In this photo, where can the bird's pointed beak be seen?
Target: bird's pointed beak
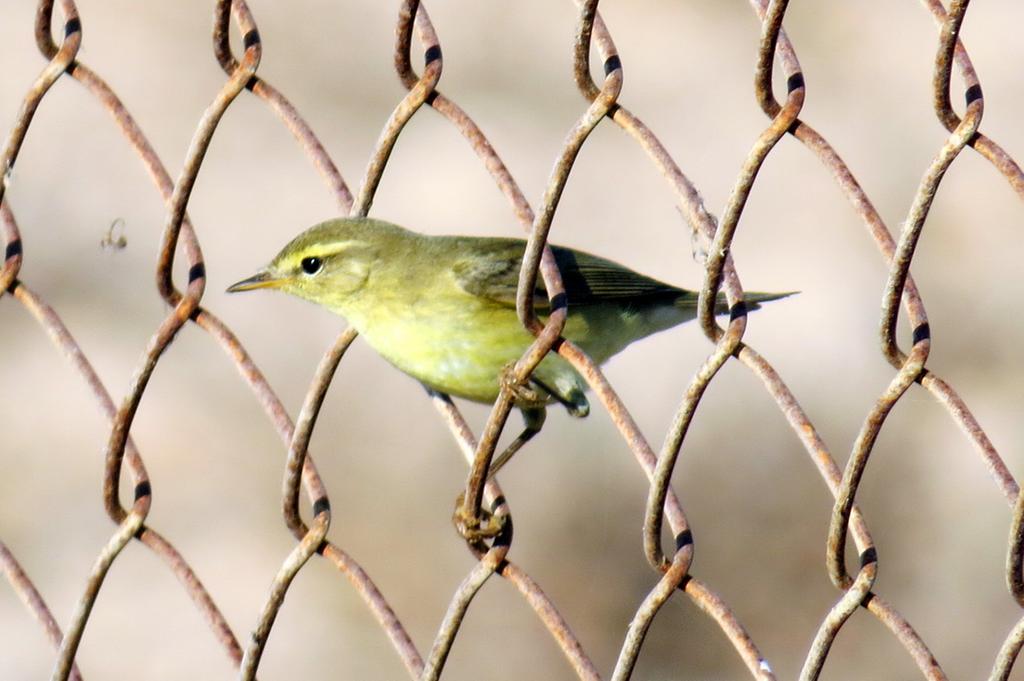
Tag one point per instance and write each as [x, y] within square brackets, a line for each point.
[262, 279]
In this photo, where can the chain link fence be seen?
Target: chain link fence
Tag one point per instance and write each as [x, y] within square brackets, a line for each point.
[668, 544]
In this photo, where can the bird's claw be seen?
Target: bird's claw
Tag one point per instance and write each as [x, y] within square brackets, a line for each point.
[523, 392]
[476, 529]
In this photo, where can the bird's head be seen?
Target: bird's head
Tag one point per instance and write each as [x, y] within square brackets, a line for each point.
[327, 263]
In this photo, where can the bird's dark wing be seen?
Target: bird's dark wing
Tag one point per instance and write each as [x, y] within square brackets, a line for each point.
[492, 273]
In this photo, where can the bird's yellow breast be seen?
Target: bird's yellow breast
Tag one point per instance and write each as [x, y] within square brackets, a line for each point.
[456, 344]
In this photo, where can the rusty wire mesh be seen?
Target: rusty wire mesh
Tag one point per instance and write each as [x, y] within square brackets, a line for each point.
[59, 36]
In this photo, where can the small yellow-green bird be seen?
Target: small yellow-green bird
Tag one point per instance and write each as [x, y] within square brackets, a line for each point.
[443, 308]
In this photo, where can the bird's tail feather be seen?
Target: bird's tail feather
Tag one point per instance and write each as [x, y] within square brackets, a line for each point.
[752, 300]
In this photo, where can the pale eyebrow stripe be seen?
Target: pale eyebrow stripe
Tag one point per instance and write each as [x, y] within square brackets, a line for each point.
[333, 248]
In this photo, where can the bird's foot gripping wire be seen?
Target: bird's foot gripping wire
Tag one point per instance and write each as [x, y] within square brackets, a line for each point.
[525, 393]
[483, 524]
[477, 529]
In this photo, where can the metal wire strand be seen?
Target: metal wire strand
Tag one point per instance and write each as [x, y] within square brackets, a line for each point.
[317, 532]
[676, 572]
[61, 337]
[177, 318]
[33, 600]
[987, 147]
[405, 110]
[237, 354]
[280, 105]
[620, 415]
[911, 368]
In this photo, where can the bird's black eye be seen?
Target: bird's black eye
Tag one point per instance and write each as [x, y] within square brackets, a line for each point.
[311, 265]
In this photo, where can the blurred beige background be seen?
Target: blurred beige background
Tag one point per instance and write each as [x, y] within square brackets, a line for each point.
[758, 508]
